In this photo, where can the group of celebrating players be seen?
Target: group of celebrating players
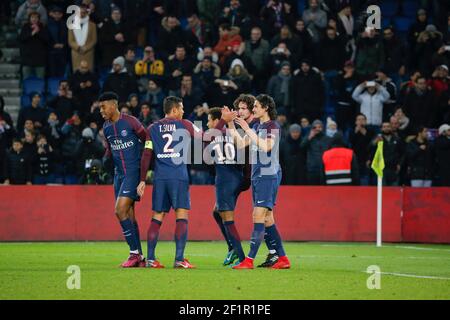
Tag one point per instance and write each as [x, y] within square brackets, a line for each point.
[248, 129]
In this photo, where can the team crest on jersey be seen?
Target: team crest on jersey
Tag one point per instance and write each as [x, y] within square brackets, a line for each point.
[124, 133]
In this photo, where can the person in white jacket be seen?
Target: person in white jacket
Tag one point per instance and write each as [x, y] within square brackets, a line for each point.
[371, 101]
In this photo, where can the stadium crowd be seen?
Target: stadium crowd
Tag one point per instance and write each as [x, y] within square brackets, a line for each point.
[328, 73]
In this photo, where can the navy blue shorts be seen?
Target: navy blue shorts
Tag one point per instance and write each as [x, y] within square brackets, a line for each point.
[126, 185]
[264, 192]
[228, 189]
[170, 193]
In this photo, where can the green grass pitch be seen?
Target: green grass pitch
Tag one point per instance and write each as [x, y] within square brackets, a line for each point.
[319, 271]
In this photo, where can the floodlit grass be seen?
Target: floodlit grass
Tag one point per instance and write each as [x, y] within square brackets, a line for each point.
[319, 271]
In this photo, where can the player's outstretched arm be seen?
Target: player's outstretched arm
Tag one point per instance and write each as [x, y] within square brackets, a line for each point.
[264, 144]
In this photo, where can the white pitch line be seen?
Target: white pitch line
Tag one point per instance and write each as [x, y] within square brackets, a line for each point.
[411, 275]
[421, 248]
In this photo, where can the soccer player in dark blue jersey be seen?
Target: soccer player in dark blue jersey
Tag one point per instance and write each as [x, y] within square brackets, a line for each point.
[171, 138]
[263, 139]
[128, 143]
[229, 182]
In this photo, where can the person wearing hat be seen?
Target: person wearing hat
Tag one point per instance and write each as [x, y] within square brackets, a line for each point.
[87, 150]
[83, 40]
[428, 43]
[239, 76]
[119, 81]
[442, 149]
[57, 31]
[113, 38]
[417, 28]
[292, 157]
[279, 86]
[315, 144]
[439, 81]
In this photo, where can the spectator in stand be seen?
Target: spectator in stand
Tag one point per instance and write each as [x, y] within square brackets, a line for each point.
[291, 40]
[233, 14]
[149, 66]
[419, 159]
[52, 131]
[315, 144]
[29, 6]
[257, 51]
[279, 87]
[403, 123]
[34, 112]
[345, 26]
[63, 103]
[82, 40]
[315, 20]
[393, 154]
[344, 84]
[228, 36]
[71, 138]
[239, 77]
[395, 56]
[57, 28]
[304, 38]
[277, 13]
[130, 60]
[43, 162]
[199, 32]
[443, 155]
[191, 95]
[330, 54]
[85, 87]
[7, 132]
[332, 128]
[119, 81]
[307, 92]
[199, 114]
[155, 97]
[278, 56]
[237, 52]
[29, 145]
[387, 83]
[222, 93]
[133, 104]
[428, 42]
[439, 81]
[114, 37]
[87, 150]
[369, 53]
[292, 157]
[34, 43]
[147, 115]
[178, 65]
[17, 167]
[419, 104]
[170, 37]
[205, 73]
[360, 140]
[371, 96]
[409, 85]
[414, 31]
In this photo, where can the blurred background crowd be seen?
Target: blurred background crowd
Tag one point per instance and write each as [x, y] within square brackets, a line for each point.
[329, 74]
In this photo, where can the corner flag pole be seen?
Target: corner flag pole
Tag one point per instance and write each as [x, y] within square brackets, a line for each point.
[379, 209]
[378, 167]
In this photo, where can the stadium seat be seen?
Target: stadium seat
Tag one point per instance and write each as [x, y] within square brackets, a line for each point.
[402, 24]
[53, 85]
[25, 101]
[410, 8]
[388, 8]
[139, 52]
[33, 84]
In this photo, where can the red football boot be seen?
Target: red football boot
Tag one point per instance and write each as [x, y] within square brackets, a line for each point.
[185, 264]
[132, 261]
[154, 264]
[247, 263]
[142, 263]
[282, 263]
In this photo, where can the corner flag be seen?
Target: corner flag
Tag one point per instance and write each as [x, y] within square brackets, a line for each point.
[378, 160]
